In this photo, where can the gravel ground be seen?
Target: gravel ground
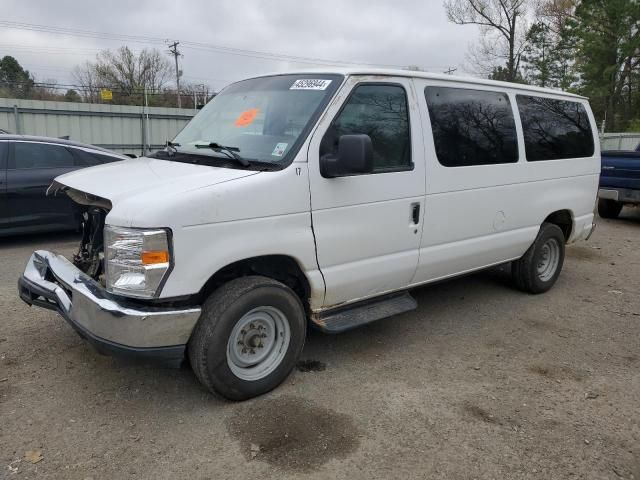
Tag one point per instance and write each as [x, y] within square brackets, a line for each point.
[481, 381]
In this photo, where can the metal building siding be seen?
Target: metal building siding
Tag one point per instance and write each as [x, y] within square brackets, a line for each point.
[116, 127]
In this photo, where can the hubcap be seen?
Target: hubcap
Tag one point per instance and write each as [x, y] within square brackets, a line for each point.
[258, 343]
[548, 260]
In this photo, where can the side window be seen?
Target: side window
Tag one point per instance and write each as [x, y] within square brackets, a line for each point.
[86, 159]
[379, 111]
[554, 129]
[105, 158]
[3, 155]
[40, 155]
[471, 127]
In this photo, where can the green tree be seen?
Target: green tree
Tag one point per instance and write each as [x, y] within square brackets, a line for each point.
[537, 55]
[502, 74]
[548, 56]
[72, 96]
[15, 81]
[607, 38]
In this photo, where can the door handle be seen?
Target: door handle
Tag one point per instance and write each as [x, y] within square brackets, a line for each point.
[415, 213]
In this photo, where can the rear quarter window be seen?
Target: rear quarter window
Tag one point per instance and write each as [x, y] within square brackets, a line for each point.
[88, 159]
[3, 155]
[554, 129]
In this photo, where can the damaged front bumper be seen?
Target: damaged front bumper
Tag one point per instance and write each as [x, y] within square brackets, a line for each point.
[113, 325]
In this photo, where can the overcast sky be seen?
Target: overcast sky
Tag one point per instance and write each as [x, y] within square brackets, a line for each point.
[400, 32]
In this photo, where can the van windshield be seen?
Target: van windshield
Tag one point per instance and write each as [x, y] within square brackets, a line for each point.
[262, 119]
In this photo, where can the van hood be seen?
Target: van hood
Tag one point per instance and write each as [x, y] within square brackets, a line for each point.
[139, 176]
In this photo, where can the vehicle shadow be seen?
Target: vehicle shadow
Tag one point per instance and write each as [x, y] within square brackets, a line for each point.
[437, 303]
[629, 215]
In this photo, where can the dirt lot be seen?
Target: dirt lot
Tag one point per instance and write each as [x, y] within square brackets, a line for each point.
[480, 382]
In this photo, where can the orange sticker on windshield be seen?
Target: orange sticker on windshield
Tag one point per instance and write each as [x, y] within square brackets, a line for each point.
[246, 118]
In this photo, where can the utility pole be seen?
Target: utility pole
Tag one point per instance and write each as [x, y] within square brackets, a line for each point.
[450, 71]
[173, 50]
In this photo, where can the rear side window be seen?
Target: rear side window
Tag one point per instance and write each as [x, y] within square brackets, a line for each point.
[40, 155]
[106, 158]
[471, 127]
[554, 129]
[88, 159]
[3, 155]
[380, 111]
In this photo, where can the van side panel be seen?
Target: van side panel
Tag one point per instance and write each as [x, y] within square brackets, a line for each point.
[496, 224]
[482, 215]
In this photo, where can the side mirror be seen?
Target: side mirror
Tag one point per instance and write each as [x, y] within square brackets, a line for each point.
[355, 155]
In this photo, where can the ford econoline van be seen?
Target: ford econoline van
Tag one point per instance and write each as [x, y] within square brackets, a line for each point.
[317, 200]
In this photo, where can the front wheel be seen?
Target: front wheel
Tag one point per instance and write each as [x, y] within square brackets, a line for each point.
[538, 269]
[249, 337]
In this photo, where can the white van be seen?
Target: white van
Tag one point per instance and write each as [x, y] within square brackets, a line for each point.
[317, 199]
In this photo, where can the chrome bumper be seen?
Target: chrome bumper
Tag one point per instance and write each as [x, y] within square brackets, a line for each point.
[110, 323]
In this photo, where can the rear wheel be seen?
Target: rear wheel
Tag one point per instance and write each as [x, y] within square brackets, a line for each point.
[608, 208]
[539, 268]
[249, 337]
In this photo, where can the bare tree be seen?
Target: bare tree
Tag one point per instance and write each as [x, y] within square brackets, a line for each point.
[556, 13]
[124, 72]
[503, 27]
[85, 77]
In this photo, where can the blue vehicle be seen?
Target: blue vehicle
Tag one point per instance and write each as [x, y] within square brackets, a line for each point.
[619, 181]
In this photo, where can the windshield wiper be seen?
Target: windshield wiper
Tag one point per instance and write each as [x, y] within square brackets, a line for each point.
[230, 152]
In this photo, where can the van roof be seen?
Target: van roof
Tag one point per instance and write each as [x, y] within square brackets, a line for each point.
[426, 75]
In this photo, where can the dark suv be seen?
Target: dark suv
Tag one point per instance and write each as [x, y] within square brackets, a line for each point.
[28, 165]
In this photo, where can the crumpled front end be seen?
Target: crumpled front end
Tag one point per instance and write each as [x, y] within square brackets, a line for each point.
[113, 325]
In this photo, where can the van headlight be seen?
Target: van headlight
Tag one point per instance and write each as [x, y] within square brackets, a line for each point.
[136, 260]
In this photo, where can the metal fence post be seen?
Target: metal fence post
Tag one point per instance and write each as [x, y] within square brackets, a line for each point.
[16, 116]
[143, 135]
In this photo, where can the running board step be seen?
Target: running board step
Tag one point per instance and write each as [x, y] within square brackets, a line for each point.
[351, 316]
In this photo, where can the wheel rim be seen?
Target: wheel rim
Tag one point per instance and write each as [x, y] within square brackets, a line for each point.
[258, 343]
[549, 259]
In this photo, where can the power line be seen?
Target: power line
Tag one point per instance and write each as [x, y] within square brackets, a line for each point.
[197, 46]
[47, 49]
[82, 88]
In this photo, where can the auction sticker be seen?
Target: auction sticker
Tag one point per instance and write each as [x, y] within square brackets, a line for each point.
[310, 84]
[279, 150]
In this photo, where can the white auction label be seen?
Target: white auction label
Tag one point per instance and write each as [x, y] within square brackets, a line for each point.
[310, 84]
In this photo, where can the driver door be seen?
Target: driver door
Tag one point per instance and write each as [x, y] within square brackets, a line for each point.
[368, 226]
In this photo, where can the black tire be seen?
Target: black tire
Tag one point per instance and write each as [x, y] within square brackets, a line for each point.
[525, 271]
[225, 307]
[608, 208]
